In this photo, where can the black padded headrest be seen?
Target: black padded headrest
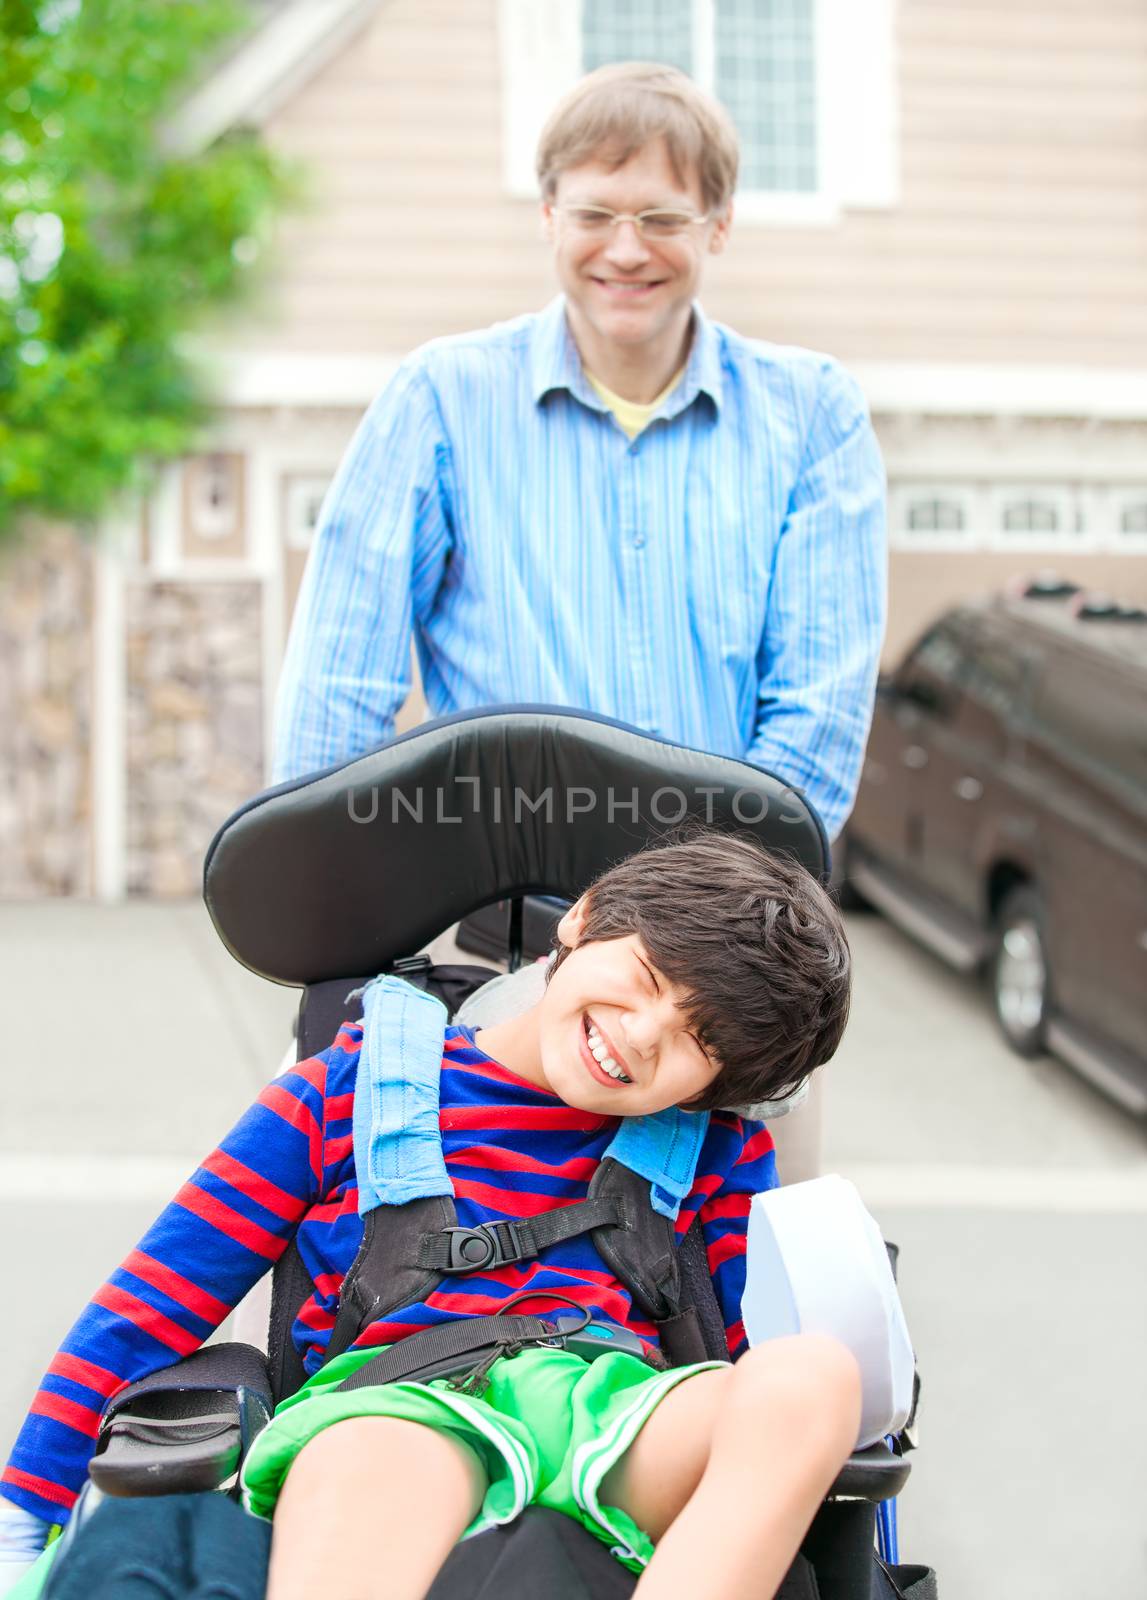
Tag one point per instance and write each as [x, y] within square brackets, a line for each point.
[346, 870]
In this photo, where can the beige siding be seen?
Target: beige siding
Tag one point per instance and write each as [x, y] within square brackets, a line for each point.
[921, 585]
[1021, 235]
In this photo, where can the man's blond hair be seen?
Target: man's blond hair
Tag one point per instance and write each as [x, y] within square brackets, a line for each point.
[617, 110]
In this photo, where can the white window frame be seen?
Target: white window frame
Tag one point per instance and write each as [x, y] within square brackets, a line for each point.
[983, 502]
[857, 102]
[1121, 500]
[902, 496]
[168, 561]
[208, 524]
[300, 487]
[1063, 497]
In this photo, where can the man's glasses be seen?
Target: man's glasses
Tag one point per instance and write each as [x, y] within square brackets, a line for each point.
[656, 224]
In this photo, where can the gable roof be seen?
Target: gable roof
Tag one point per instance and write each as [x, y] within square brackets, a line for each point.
[289, 42]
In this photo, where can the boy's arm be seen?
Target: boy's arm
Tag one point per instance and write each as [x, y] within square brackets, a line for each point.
[227, 1225]
[724, 1213]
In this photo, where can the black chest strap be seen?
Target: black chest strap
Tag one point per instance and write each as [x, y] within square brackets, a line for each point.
[500, 1243]
[407, 1250]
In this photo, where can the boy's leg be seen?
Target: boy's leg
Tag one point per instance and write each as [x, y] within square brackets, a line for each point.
[729, 1470]
[370, 1510]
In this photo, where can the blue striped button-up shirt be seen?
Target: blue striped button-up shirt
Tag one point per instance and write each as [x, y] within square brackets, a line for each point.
[719, 580]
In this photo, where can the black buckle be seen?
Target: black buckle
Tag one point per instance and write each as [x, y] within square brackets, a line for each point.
[405, 966]
[491, 1244]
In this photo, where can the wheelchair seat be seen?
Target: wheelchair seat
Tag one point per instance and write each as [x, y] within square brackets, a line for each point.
[328, 881]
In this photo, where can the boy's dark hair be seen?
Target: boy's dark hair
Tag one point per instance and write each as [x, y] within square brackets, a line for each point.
[754, 943]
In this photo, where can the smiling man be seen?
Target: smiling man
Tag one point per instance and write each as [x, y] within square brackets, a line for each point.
[630, 269]
[613, 504]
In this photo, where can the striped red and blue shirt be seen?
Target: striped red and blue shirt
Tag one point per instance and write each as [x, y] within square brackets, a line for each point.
[287, 1170]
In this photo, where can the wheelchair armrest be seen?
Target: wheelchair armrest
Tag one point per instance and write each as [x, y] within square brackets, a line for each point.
[875, 1473]
[186, 1427]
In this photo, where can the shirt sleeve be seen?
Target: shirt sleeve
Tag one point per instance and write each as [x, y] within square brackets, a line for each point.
[379, 555]
[725, 1220]
[824, 624]
[228, 1224]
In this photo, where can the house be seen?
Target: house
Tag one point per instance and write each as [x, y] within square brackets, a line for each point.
[949, 197]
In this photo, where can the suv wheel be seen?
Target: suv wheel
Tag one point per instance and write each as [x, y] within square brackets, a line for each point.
[1020, 975]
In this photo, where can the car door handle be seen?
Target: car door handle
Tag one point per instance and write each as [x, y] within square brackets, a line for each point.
[968, 788]
[915, 757]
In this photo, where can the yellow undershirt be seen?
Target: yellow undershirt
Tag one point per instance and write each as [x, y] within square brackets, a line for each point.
[631, 416]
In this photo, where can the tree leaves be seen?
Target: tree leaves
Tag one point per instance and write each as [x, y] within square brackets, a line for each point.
[111, 250]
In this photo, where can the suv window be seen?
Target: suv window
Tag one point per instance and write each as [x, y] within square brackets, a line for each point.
[995, 690]
[994, 679]
[1094, 720]
[930, 676]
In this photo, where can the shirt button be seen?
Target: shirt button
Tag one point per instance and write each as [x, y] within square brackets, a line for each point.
[638, 541]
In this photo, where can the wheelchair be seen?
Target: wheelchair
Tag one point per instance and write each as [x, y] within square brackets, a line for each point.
[324, 883]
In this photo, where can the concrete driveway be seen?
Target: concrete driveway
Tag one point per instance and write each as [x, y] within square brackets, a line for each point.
[1019, 1199]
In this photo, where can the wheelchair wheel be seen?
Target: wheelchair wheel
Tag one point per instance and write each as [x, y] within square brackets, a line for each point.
[1020, 974]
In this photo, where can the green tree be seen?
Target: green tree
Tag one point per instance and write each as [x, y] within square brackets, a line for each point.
[111, 247]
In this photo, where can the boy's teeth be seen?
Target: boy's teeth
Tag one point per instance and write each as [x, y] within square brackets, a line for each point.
[603, 1058]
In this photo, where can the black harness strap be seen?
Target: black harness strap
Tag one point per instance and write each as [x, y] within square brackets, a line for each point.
[642, 1246]
[449, 1348]
[407, 1250]
[706, 1324]
[643, 1250]
[497, 1244]
[382, 1277]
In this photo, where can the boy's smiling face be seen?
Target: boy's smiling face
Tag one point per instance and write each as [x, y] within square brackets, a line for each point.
[610, 1034]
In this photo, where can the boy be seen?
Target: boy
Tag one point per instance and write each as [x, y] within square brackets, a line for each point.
[694, 975]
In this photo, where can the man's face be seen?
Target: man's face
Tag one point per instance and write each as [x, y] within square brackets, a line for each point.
[623, 288]
[613, 1037]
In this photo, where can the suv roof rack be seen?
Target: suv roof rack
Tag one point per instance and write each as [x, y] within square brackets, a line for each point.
[1043, 586]
[1100, 608]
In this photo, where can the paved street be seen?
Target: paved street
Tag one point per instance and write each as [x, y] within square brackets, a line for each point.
[1018, 1196]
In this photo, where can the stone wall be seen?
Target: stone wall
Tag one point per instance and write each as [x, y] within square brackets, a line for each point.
[194, 723]
[45, 716]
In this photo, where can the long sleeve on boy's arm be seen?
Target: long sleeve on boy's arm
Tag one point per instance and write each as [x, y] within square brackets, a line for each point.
[725, 1220]
[228, 1224]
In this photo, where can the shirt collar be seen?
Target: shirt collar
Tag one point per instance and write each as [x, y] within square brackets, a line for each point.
[555, 363]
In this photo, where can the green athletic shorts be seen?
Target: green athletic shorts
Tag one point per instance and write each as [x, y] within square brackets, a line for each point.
[547, 1429]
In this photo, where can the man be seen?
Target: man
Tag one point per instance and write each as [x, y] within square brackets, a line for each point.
[614, 504]
[717, 579]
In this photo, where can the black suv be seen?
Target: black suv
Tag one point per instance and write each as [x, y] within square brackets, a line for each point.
[1002, 818]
